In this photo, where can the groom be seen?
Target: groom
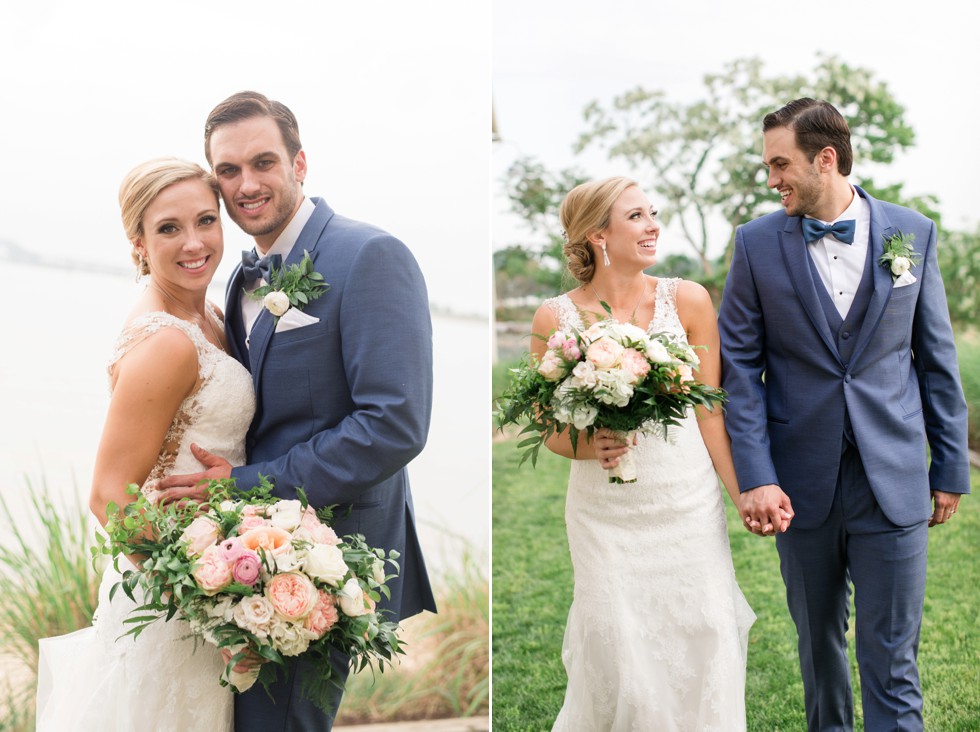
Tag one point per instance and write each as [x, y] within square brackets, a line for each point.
[840, 374]
[343, 385]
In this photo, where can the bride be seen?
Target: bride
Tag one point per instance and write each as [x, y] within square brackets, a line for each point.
[172, 383]
[657, 631]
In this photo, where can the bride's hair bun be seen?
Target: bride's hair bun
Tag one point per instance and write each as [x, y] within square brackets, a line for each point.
[584, 211]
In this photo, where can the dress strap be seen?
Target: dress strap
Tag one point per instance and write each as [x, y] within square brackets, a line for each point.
[146, 325]
[565, 312]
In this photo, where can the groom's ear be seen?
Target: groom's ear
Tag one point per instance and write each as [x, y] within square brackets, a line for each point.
[826, 159]
[299, 166]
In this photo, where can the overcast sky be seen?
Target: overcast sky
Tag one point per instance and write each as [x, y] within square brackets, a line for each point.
[392, 99]
[552, 57]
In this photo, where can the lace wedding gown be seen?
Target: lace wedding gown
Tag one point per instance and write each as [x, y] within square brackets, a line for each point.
[93, 679]
[657, 631]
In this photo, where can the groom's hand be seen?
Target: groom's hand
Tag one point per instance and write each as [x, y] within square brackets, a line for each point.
[766, 510]
[194, 486]
[945, 506]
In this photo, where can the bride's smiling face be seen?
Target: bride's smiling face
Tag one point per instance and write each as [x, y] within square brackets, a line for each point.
[182, 237]
[631, 235]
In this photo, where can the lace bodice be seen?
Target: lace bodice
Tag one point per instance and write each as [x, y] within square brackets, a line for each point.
[216, 416]
[665, 318]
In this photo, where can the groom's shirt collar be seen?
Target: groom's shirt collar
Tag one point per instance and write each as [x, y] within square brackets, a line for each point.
[287, 239]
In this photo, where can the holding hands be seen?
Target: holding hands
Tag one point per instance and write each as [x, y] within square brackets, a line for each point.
[766, 510]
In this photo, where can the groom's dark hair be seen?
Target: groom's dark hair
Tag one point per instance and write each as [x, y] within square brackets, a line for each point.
[246, 105]
[817, 125]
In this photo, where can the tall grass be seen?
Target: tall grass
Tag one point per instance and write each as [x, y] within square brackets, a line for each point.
[446, 671]
[48, 586]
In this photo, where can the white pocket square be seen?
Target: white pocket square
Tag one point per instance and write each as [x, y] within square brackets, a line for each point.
[906, 278]
[294, 319]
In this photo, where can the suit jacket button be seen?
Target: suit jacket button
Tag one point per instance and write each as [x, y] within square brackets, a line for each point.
[846, 334]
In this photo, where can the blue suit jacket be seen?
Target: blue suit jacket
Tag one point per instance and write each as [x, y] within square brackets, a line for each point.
[788, 386]
[344, 404]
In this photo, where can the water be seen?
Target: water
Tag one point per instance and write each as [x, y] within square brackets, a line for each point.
[58, 329]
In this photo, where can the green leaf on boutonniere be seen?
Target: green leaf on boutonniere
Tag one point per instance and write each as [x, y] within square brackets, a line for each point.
[298, 283]
[898, 245]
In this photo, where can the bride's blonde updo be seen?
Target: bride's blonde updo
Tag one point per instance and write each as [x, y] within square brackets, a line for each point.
[143, 184]
[584, 211]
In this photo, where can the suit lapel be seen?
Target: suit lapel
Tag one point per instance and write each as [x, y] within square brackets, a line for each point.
[234, 329]
[881, 229]
[795, 256]
[264, 328]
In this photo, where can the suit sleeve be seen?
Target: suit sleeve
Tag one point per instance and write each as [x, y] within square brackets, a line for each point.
[742, 330]
[386, 336]
[943, 404]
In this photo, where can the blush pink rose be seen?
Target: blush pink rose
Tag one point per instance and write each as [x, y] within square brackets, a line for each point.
[267, 538]
[211, 572]
[252, 521]
[319, 531]
[247, 568]
[604, 353]
[551, 367]
[570, 350]
[292, 594]
[635, 364]
[323, 616]
[200, 534]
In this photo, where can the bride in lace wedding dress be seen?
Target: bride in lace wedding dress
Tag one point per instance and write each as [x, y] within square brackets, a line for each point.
[172, 385]
[657, 631]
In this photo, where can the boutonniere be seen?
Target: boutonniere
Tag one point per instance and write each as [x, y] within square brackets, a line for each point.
[291, 287]
[900, 258]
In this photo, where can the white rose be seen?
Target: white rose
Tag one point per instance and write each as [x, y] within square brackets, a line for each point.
[276, 302]
[552, 368]
[287, 561]
[326, 563]
[901, 265]
[254, 615]
[657, 353]
[378, 571]
[352, 598]
[286, 514]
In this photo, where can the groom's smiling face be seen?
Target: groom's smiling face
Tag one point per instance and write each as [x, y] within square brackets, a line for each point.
[796, 179]
[260, 183]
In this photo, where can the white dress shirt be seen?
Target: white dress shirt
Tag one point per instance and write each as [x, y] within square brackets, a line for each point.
[282, 246]
[841, 266]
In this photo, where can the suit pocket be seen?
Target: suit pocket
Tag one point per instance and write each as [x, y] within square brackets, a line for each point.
[776, 420]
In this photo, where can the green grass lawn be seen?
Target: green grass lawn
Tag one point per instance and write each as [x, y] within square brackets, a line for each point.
[532, 589]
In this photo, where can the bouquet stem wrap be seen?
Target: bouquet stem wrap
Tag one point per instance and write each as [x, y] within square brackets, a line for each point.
[625, 470]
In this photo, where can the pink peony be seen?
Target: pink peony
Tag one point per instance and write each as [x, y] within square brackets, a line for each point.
[604, 353]
[292, 594]
[570, 350]
[319, 532]
[247, 568]
[635, 364]
[211, 572]
[324, 615]
[557, 339]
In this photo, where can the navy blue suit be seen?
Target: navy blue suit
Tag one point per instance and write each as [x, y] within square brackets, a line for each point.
[838, 412]
[342, 406]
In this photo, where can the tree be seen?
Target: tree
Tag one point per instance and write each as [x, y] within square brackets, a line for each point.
[703, 158]
[960, 266]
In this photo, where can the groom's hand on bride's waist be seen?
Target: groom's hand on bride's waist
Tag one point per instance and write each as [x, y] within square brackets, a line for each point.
[194, 486]
[766, 510]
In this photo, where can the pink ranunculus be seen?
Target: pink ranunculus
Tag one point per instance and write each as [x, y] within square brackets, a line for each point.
[251, 521]
[247, 568]
[292, 594]
[604, 353]
[211, 572]
[323, 616]
[557, 339]
[570, 350]
[636, 364]
[319, 531]
[200, 534]
[267, 538]
[232, 549]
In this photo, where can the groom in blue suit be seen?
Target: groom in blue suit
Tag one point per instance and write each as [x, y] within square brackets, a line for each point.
[841, 371]
[343, 386]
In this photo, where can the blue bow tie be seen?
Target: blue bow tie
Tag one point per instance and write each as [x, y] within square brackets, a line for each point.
[255, 267]
[843, 230]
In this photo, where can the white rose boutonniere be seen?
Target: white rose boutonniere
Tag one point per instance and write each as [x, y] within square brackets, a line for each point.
[899, 257]
[291, 287]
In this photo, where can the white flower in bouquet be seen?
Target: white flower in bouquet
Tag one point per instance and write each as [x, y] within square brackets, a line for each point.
[287, 559]
[326, 562]
[584, 375]
[615, 387]
[352, 598]
[222, 610]
[286, 514]
[552, 367]
[658, 353]
[378, 572]
[202, 533]
[254, 614]
[578, 414]
[290, 639]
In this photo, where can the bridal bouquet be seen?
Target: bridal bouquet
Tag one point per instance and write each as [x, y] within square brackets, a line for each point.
[261, 577]
[612, 375]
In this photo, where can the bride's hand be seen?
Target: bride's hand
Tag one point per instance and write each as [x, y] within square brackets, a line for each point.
[608, 449]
